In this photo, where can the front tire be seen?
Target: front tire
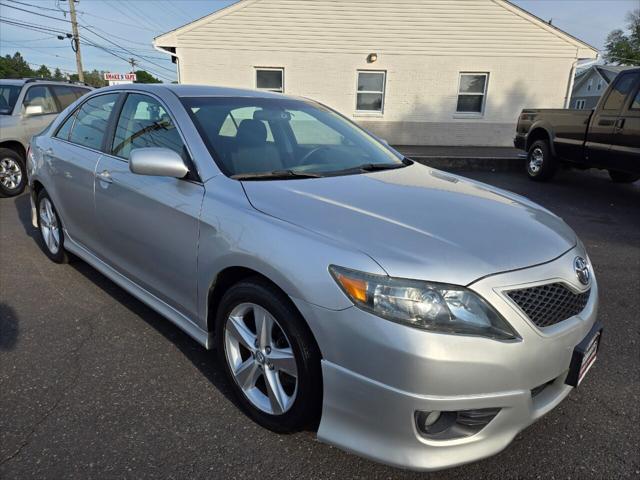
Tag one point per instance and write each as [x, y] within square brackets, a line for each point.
[541, 164]
[13, 174]
[269, 356]
[623, 177]
[50, 228]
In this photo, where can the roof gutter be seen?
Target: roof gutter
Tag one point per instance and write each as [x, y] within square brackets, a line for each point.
[174, 57]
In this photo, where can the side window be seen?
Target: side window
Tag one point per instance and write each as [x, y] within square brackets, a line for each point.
[65, 128]
[270, 79]
[472, 93]
[308, 131]
[91, 121]
[145, 123]
[38, 101]
[621, 88]
[65, 95]
[370, 93]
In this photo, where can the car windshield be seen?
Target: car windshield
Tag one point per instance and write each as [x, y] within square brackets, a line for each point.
[8, 96]
[264, 138]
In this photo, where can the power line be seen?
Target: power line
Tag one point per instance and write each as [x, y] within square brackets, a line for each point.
[41, 28]
[35, 13]
[40, 7]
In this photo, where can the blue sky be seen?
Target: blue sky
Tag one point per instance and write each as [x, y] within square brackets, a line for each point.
[131, 24]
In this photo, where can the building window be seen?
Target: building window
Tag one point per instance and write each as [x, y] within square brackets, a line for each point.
[370, 95]
[472, 92]
[579, 104]
[599, 86]
[590, 85]
[271, 79]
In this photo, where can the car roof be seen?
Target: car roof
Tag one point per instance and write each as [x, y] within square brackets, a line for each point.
[23, 81]
[182, 90]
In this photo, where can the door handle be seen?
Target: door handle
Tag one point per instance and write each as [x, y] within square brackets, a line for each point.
[620, 123]
[105, 176]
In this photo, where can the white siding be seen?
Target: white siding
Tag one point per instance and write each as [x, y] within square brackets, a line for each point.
[423, 45]
[434, 27]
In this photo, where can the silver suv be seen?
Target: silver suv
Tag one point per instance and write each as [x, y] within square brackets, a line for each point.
[27, 106]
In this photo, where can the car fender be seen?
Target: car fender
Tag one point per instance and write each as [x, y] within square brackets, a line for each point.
[234, 234]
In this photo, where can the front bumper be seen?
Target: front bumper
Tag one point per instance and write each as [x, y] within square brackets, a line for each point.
[377, 374]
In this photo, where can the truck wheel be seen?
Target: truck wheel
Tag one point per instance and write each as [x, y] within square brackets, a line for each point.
[623, 177]
[13, 174]
[541, 165]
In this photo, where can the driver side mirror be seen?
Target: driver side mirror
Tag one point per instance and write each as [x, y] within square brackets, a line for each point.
[33, 110]
[159, 162]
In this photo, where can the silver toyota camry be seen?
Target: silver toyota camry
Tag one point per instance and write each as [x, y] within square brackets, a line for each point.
[409, 315]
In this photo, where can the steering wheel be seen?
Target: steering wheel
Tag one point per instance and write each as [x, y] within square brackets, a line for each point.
[305, 160]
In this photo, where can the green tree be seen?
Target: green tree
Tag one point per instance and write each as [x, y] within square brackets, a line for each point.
[14, 67]
[145, 77]
[57, 74]
[43, 72]
[623, 48]
[94, 78]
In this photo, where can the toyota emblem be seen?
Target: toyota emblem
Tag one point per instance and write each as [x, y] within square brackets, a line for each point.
[581, 268]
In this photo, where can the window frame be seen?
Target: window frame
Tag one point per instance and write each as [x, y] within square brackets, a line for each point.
[484, 94]
[383, 92]
[269, 69]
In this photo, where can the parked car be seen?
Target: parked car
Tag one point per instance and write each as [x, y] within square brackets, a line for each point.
[607, 137]
[27, 106]
[415, 317]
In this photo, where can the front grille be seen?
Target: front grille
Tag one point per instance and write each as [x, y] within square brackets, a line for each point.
[549, 304]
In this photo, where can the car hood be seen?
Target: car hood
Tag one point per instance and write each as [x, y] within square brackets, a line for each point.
[417, 222]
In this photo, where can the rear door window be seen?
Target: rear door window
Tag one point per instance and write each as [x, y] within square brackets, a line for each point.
[65, 129]
[65, 95]
[92, 120]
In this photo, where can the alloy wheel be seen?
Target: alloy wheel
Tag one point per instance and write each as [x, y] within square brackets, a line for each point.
[10, 173]
[49, 226]
[261, 359]
[536, 160]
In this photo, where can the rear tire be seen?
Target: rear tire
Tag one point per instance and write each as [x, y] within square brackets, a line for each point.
[13, 173]
[541, 164]
[50, 228]
[623, 177]
[282, 390]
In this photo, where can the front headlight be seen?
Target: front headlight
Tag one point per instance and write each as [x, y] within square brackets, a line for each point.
[429, 306]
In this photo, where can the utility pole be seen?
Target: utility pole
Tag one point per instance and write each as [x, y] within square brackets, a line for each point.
[76, 39]
[133, 62]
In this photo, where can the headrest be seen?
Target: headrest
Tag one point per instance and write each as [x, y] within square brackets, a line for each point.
[251, 133]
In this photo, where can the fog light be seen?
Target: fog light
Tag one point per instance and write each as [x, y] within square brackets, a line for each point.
[438, 425]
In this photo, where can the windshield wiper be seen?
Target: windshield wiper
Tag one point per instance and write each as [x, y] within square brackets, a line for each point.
[374, 167]
[275, 175]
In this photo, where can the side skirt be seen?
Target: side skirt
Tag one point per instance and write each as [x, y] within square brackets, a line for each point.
[201, 336]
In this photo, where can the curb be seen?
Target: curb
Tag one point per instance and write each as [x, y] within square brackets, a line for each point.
[496, 164]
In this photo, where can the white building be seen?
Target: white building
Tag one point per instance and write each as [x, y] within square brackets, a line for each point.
[415, 72]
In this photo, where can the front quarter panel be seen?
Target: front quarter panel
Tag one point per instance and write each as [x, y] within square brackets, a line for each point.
[234, 234]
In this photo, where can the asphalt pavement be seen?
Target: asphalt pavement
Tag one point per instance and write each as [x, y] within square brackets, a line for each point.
[93, 384]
